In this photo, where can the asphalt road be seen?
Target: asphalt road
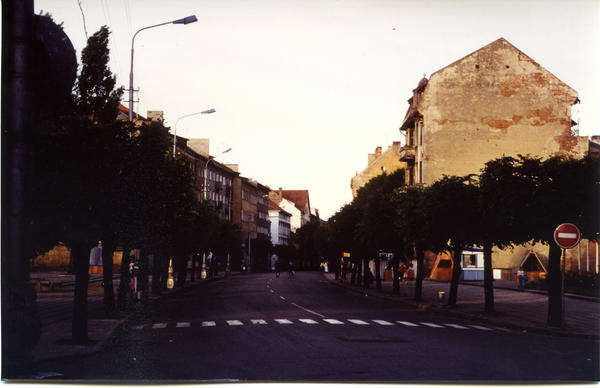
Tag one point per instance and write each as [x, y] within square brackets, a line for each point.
[259, 327]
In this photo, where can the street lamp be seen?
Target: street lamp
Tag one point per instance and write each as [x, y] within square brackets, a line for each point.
[205, 188]
[204, 112]
[186, 20]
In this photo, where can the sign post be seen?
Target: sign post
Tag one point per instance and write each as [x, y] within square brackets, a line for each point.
[567, 236]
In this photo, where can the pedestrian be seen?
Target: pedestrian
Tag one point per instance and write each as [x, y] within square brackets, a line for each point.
[322, 267]
[410, 273]
[520, 274]
[291, 268]
[402, 271]
[133, 273]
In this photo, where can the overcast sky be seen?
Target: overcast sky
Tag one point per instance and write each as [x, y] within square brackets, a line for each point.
[304, 90]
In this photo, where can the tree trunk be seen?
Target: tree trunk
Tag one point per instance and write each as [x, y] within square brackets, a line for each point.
[81, 265]
[377, 274]
[157, 269]
[125, 281]
[359, 277]
[108, 250]
[420, 274]
[396, 273]
[488, 278]
[143, 273]
[366, 274]
[354, 265]
[456, 269]
[555, 300]
[193, 270]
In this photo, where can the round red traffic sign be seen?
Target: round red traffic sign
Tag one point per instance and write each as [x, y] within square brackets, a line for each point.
[567, 236]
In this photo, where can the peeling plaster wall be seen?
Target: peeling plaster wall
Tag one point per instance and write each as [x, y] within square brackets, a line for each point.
[494, 102]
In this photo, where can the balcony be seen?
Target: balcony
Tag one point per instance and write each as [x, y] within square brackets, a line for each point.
[407, 154]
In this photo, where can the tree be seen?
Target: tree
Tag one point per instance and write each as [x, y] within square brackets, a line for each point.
[452, 220]
[377, 230]
[96, 94]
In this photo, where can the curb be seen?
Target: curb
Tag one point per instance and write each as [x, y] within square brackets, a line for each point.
[424, 306]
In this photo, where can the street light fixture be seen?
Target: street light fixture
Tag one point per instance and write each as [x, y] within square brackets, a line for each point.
[205, 188]
[204, 112]
[186, 20]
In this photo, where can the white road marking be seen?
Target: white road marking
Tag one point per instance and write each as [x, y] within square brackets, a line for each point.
[385, 323]
[431, 324]
[258, 321]
[309, 321]
[284, 321]
[334, 321]
[183, 324]
[480, 327]
[456, 326]
[407, 323]
[139, 327]
[235, 323]
[358, 321]
[159, 326]
[209, 323]
[312, 312]
[282, 297]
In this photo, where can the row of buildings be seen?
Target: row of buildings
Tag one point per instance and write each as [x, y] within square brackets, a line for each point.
[263, 213]
[492, 103]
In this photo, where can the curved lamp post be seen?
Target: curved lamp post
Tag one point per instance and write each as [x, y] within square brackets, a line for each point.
[186, 20]
[204, 112]
[205, 189]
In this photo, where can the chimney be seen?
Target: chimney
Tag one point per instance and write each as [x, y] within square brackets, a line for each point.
[377, 152]
[201, 146]
[280, 192]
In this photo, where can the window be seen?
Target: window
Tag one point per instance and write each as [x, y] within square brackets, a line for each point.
[470, 261]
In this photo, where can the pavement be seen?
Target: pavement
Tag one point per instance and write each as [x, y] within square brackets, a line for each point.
[514, 309]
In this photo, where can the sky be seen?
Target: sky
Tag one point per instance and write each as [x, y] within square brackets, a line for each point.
[305, 90]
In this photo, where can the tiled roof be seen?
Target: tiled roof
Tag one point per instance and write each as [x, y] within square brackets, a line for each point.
[299, 197]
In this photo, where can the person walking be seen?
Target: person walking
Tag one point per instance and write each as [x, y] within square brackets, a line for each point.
[402, 271]
[291, 269]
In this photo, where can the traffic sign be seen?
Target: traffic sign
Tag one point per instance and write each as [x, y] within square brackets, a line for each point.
[567, 236]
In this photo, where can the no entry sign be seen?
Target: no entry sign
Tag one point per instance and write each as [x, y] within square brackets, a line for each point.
[567, 236]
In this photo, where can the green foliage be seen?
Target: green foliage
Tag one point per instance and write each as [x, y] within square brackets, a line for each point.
[96, 94]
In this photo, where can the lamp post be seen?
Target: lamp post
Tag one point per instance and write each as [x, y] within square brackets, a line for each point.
[186, 20]
[205, 188]
[204, 112]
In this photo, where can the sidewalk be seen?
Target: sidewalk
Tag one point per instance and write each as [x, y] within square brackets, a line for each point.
[514, 309]
[56, 312]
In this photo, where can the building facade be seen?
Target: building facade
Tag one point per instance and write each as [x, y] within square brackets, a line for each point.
[494, 102]
[378, 162]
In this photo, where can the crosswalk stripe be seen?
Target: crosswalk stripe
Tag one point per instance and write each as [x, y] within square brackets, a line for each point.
[309, 321]
[209, 323]
[183, 324]
[407, 323]
[385, 323]
[456, 326]
[159, 325]
[358, 321]
[234, 323]
[431, 324]
[334, 321]
[258, 321]
[480, 327]
[284, 321]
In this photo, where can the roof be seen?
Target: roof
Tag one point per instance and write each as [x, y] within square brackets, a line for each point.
[299, 197]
